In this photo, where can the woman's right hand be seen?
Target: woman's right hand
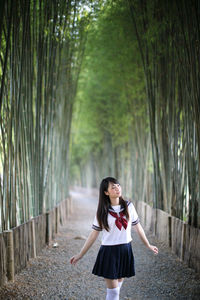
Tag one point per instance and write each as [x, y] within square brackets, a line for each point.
[74, 259]
[88, 243]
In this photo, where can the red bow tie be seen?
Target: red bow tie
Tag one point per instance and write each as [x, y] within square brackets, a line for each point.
[120, 221]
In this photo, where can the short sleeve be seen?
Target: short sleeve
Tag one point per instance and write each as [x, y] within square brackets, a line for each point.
[133, 214]
[95, 225]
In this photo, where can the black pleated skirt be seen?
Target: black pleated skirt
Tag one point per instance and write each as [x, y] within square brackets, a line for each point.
[115, 262]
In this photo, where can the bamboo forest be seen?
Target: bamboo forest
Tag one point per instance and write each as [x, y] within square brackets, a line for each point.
[95, 91]
[96, 88]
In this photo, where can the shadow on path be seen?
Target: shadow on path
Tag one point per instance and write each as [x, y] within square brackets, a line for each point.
[50, 275]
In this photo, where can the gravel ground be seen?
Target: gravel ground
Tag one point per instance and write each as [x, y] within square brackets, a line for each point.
[50, 275]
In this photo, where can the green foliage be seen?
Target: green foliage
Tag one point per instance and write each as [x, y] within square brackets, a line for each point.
[41, 56]
[111, 90]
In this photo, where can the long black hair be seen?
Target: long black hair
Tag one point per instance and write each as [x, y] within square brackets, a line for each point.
[104, 203]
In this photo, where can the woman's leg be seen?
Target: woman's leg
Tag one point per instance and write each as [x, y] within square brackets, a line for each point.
[111, 283]
[112, 289]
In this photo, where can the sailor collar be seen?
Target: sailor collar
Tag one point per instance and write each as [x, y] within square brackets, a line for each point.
[112, 210]
[121, 207]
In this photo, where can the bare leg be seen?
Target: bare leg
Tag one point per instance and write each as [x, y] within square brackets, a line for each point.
[111, 283]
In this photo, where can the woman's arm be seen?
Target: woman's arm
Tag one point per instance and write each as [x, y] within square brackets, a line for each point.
[140, 231]
[89, 242]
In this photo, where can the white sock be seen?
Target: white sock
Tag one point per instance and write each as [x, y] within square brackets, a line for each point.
[112, 294]
[120, 284]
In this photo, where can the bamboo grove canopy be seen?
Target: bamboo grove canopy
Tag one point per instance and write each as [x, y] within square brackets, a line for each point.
[98, 88]
[42, 44]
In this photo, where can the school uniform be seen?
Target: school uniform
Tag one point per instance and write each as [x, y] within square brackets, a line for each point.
[115, 258]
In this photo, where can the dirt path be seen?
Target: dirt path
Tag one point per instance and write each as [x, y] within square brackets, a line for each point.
[50, 275]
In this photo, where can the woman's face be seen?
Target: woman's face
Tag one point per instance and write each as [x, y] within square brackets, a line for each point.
[114, 190]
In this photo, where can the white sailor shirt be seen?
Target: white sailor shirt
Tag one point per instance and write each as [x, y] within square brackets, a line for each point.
[115, 236]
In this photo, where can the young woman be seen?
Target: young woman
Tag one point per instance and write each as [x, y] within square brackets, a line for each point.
[114, 218]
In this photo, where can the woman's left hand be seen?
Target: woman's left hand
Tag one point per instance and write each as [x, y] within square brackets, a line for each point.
[154, 249]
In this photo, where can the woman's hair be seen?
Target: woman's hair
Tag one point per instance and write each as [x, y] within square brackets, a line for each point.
[104, 203]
